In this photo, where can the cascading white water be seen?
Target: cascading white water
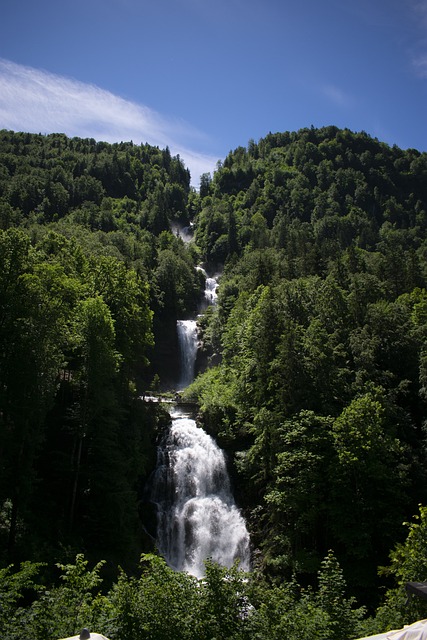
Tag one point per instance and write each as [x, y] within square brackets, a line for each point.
[188, 344]
[210, 294]
[197, 516]
[185, 233]
[210, 290]
[187, 333]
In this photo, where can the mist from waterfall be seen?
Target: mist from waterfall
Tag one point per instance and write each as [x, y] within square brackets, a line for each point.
[186, 233]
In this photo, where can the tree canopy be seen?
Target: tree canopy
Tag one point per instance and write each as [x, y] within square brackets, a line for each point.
[315, 383]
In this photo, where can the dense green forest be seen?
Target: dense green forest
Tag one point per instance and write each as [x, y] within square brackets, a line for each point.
[315, 385]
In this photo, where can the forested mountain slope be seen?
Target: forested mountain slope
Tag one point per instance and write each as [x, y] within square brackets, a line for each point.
[317, 377]
[321, 329]
[90, 274]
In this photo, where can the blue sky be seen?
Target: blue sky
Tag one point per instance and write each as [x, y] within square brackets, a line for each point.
[205, 77]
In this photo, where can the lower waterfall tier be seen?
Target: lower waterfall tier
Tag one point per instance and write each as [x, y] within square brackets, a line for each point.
[197, 516]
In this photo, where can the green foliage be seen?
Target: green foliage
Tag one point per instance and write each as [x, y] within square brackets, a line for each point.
[298, 613]
[76, 333]
[408, 563]
[215, 393]
[223, 604]
[34, 305]
[331, 599]
[73, 334]
[161, 603]
[367, 449]
[298, 491]
[66, 609]
[14, 585]
[318, 391]
[320, 328]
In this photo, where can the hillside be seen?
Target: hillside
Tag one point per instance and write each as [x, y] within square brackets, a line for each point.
[91, 274]
[321, 329]
[316, 350]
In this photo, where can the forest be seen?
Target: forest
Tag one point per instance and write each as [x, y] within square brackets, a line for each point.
[313, 380]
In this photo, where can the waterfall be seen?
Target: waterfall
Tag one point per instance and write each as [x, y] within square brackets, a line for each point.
[188, 344]
[197, 516]
[210, 290]
[210, 294]
[187, 333]
[185, 233]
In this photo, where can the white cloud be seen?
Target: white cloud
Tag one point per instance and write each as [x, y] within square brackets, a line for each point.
[419, 47]
[38, 101]
[336, 95]
[420, 8]
[420, 65]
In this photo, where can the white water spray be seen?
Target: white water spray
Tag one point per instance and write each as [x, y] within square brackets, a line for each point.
[211, 290]
[210, 295]
[197, 516]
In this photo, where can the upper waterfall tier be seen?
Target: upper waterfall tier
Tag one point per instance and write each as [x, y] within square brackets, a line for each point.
[188, 344]
[211, 286]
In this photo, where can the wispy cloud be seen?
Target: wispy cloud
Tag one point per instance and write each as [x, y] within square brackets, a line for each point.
[420, 8]
[336, 95]
[419, 48]
[419, 63]
[38, 101]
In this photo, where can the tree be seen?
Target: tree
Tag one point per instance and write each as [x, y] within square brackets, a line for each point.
[205, 183]
[14, 585]
[343, 618]
[368, 482]
[160, 604]
[71, 606]
[223, 604]
[94, 414]
[408, 563]
[35, 303]
[298, 494]
[126, 296]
